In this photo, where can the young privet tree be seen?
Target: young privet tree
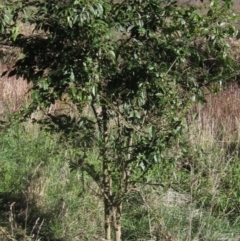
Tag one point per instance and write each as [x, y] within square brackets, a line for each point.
[137, 64]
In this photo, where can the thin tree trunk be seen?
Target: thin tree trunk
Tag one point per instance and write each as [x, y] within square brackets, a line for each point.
[107, 202]
[107, 218]
[107, 181]
[117, 221]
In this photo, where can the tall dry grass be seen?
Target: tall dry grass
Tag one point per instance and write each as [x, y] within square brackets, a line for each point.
[218, 120]
[13, 92]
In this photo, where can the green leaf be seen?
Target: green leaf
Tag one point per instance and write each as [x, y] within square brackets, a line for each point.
[15, 32]
[100, 8]
[94, 90]
[74, 91]
[69, 22]
[112, 55]
[35, 95]
[150, 131]
[72, 76]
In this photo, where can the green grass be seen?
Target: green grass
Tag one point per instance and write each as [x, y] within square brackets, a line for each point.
[47, 199]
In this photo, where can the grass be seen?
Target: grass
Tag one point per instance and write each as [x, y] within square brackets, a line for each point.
[37, 188]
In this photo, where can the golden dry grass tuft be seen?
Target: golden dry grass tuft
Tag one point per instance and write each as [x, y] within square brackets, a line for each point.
[218, 120]
[13, 92]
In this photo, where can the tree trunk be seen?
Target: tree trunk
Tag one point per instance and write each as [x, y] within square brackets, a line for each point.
[107, 191]
[107, 220]
[107, 181]
[116, 212]
[112, 219]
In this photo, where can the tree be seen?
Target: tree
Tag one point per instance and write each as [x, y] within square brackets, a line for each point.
[136, 64]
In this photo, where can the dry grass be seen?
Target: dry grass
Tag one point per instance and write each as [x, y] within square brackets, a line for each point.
[218, 119]
[13, 92]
